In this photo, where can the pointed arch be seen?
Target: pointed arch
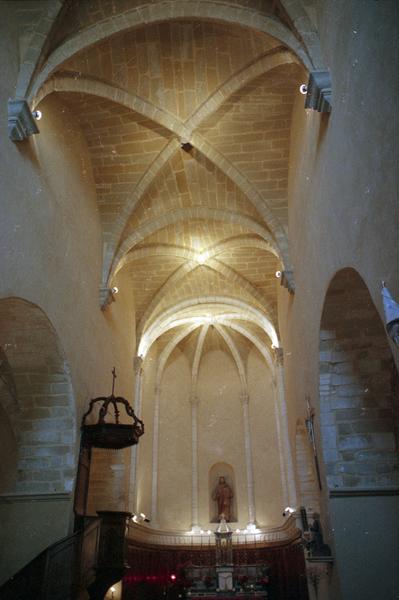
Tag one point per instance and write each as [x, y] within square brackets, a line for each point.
[183, 214]
[159, 11]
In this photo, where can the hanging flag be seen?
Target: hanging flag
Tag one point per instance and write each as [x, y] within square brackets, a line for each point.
[391, 310]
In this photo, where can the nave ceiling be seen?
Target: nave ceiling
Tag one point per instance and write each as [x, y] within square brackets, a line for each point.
[187, 123]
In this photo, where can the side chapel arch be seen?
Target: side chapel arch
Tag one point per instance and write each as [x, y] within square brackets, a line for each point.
[358, 390]
[37, 409]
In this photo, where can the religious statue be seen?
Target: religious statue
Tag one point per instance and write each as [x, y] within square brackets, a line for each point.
[223, 496]
[315, 543]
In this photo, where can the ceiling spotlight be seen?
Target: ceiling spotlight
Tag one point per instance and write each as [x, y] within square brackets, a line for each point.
[37, 114]
[115, 290]
[303, 89]
[278, 274]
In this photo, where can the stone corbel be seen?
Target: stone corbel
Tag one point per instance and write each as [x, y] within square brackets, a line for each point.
[278, 356]
[318, 574]
[21, 122]
[318, 96]
[138, 365]
[194, 400]
[106, 297]
[287, 281]
[244, 399]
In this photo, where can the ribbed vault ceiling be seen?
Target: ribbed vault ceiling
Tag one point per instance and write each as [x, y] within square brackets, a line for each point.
[201, 229]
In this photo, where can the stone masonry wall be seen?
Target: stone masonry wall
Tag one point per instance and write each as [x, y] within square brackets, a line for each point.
[358, 401]
[42, 415]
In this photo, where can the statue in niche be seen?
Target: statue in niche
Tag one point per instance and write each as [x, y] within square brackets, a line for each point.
[223, 495]
[315, 543]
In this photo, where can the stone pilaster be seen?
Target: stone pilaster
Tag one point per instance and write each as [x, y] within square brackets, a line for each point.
[283, 419]
[194, 461]
[155, 453]
[248, 459]
[138, 370]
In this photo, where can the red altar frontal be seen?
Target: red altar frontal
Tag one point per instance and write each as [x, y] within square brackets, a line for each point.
[227, 581]
[242, 596]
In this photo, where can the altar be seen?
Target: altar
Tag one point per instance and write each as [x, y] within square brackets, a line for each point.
[227, 581]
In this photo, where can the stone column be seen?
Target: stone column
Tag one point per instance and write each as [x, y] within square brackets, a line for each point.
[281, 450]
[138, 370]
[155, 445]
[284, 431]
[248, 459]
[194, 462]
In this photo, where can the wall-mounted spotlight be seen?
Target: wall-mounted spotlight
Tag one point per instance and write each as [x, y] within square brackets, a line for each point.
[303, 88]
[140, 518]
[115, 290]
[278, 274]
[288, 511]
[37, 114]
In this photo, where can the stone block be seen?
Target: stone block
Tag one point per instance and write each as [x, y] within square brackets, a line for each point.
[327, 418]
[25, 487]
[59, 411]
[60, 388]
[67, 437]
[329, 435]
[46, 475]
[58, 400]
[347, 455]
[35, 413]
[354, 442]
[344, 428]
[372, 426]
[330, 455]
[351, 390]
[351, 480]
[344, 379]
[30, 464]
[334, 481]
[338, 403]
[41, 437]
[383, 440]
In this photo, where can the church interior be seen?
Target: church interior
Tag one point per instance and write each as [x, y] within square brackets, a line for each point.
[199, 212]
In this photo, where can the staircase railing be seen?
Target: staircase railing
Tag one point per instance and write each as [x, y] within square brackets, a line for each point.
[61, 571]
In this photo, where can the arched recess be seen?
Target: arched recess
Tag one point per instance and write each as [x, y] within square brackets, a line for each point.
[358, 390]
[221, 469]
[307, 486]
[37, 402]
